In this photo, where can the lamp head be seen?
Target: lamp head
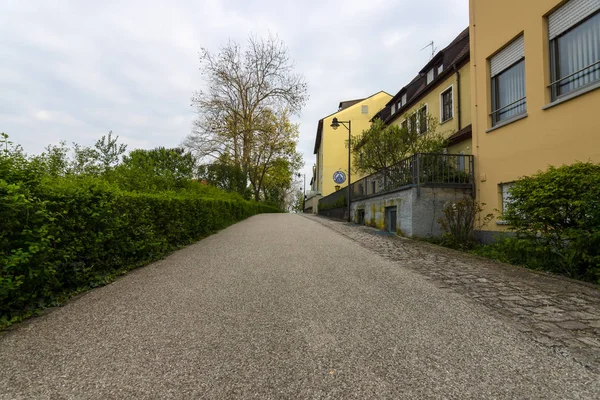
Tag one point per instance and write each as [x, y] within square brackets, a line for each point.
[335, 124]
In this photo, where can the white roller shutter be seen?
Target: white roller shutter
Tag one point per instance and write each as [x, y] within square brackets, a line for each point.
[570, 14]
[508, 56]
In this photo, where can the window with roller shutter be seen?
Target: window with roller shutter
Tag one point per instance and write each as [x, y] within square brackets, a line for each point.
[574, 34]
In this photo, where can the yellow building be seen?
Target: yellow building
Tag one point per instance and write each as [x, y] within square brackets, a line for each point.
[330, 145]
[536, 74]
[441, 92]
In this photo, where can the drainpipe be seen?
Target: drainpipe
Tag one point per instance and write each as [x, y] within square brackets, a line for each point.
[457, 97]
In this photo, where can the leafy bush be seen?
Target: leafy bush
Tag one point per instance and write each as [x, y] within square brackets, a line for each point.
[557, 212]
[516, 251]
[459, 221]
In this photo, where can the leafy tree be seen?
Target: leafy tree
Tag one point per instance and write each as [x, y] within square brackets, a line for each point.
[274, 156]
[155, 169]
[108, 151]
[382, 146]
[226, 175]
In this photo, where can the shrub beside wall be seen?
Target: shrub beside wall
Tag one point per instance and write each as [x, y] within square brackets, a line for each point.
[556, 217]
[62, 236]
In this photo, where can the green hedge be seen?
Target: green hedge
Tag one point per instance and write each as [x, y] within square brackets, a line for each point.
[65, 235]
[556, 217]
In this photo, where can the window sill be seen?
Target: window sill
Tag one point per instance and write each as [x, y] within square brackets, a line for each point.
[502, 223]
[507, 122]
[448, 120]
[572, 95]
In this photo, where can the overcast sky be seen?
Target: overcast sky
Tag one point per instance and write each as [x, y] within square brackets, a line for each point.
[73, 70]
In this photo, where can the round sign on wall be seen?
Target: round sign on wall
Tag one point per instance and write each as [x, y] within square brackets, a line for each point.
[339, 177]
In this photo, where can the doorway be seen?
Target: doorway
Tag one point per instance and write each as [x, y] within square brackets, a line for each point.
[361, 217]
[391, 217]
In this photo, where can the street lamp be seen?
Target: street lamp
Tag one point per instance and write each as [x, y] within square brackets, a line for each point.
[335, 124]
[303, 191]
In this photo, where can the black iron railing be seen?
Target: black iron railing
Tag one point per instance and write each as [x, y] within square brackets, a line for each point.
[423, 169]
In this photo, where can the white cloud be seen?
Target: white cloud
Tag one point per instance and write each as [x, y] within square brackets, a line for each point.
[74, 70]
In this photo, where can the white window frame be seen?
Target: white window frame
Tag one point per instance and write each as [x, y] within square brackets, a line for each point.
[504, 60]
[442, 120]
[431, 73]
[393, 108]
[504, 200]
[403, 121]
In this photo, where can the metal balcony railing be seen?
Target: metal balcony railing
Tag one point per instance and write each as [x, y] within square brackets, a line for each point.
[422, 169]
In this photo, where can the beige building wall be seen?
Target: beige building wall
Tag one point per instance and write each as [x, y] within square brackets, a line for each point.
[333, 151]
[433, 102]
[549, 133]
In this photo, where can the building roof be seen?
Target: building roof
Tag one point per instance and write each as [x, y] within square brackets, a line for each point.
[348, 103]
[342, 106]
[451, 56]
[463, 134]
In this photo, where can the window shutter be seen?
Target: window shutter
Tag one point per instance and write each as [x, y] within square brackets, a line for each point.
[508, 56]
[570, 14]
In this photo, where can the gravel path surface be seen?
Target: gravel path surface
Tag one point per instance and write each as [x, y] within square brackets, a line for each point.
[280, 306]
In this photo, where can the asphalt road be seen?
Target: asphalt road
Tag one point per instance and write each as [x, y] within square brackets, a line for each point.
[279, 306]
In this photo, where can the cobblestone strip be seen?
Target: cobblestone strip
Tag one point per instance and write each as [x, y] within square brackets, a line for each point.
[557, 312]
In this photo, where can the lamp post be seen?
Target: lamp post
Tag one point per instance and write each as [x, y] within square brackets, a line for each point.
[303, 191]
[335, 124]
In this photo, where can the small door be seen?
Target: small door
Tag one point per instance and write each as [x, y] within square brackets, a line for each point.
[361, 217]
[391, 218]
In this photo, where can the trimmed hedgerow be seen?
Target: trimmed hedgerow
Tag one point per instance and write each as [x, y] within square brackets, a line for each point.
[61, 236]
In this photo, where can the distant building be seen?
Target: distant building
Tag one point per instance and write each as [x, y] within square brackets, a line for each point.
[536, 73]
[330, 145]
[442, 91]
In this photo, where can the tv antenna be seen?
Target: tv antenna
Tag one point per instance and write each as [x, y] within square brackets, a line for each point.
[433, 49]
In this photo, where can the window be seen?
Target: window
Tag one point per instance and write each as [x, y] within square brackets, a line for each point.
[574, 33]
[393, 109]
[373, 187]
[412, 122]
[506, 198]
[404, 98]
[422, 115]
[440, 69]
[507, 70]
[447, 104]
[364, 109]
[429, 76]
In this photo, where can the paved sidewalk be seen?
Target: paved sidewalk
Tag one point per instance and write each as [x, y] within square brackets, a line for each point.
[281, 307]
[557, 312]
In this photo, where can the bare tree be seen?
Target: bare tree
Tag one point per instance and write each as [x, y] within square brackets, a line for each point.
[242, 86]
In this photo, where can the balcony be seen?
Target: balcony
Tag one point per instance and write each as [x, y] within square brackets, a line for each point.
[419, 170]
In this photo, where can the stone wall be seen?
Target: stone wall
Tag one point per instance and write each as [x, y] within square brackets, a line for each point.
[312, 204]
[340, 213]
[417, 215]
